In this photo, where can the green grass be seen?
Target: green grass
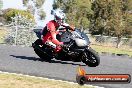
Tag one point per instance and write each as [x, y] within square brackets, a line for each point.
[17, 81]
[111, 50]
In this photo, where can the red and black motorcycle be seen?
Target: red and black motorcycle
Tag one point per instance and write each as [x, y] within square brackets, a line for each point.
[78, 48]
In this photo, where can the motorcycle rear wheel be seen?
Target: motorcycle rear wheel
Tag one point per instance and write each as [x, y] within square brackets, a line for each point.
[91, 58]
[43, 56]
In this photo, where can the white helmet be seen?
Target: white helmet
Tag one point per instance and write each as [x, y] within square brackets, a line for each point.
[59, 16]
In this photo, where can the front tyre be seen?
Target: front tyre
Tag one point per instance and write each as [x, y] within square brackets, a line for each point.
[91, 58]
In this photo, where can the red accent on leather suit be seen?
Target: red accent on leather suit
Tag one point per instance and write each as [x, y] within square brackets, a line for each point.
[51, 34]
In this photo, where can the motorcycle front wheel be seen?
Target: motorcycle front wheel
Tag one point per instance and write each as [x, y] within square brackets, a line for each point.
[91, 58]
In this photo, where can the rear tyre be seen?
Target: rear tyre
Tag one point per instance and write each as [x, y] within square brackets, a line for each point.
[40, 52]
[91, 58]
[43, 57]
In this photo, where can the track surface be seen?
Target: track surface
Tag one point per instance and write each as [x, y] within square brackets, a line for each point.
[18, 59]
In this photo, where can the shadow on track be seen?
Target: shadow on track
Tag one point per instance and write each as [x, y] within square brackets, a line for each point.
[52, 61]
[25, 57]
[65, 62]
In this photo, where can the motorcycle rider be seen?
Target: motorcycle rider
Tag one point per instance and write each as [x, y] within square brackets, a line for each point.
[50, 31]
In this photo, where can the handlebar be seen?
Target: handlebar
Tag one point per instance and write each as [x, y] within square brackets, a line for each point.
[67, 28]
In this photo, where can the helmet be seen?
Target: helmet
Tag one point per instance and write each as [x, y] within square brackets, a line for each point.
[59, 16]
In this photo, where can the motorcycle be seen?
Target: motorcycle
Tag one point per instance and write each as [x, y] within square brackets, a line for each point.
[78, 48]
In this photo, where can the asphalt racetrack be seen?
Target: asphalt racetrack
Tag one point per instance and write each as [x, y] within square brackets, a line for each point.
[18, 59]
